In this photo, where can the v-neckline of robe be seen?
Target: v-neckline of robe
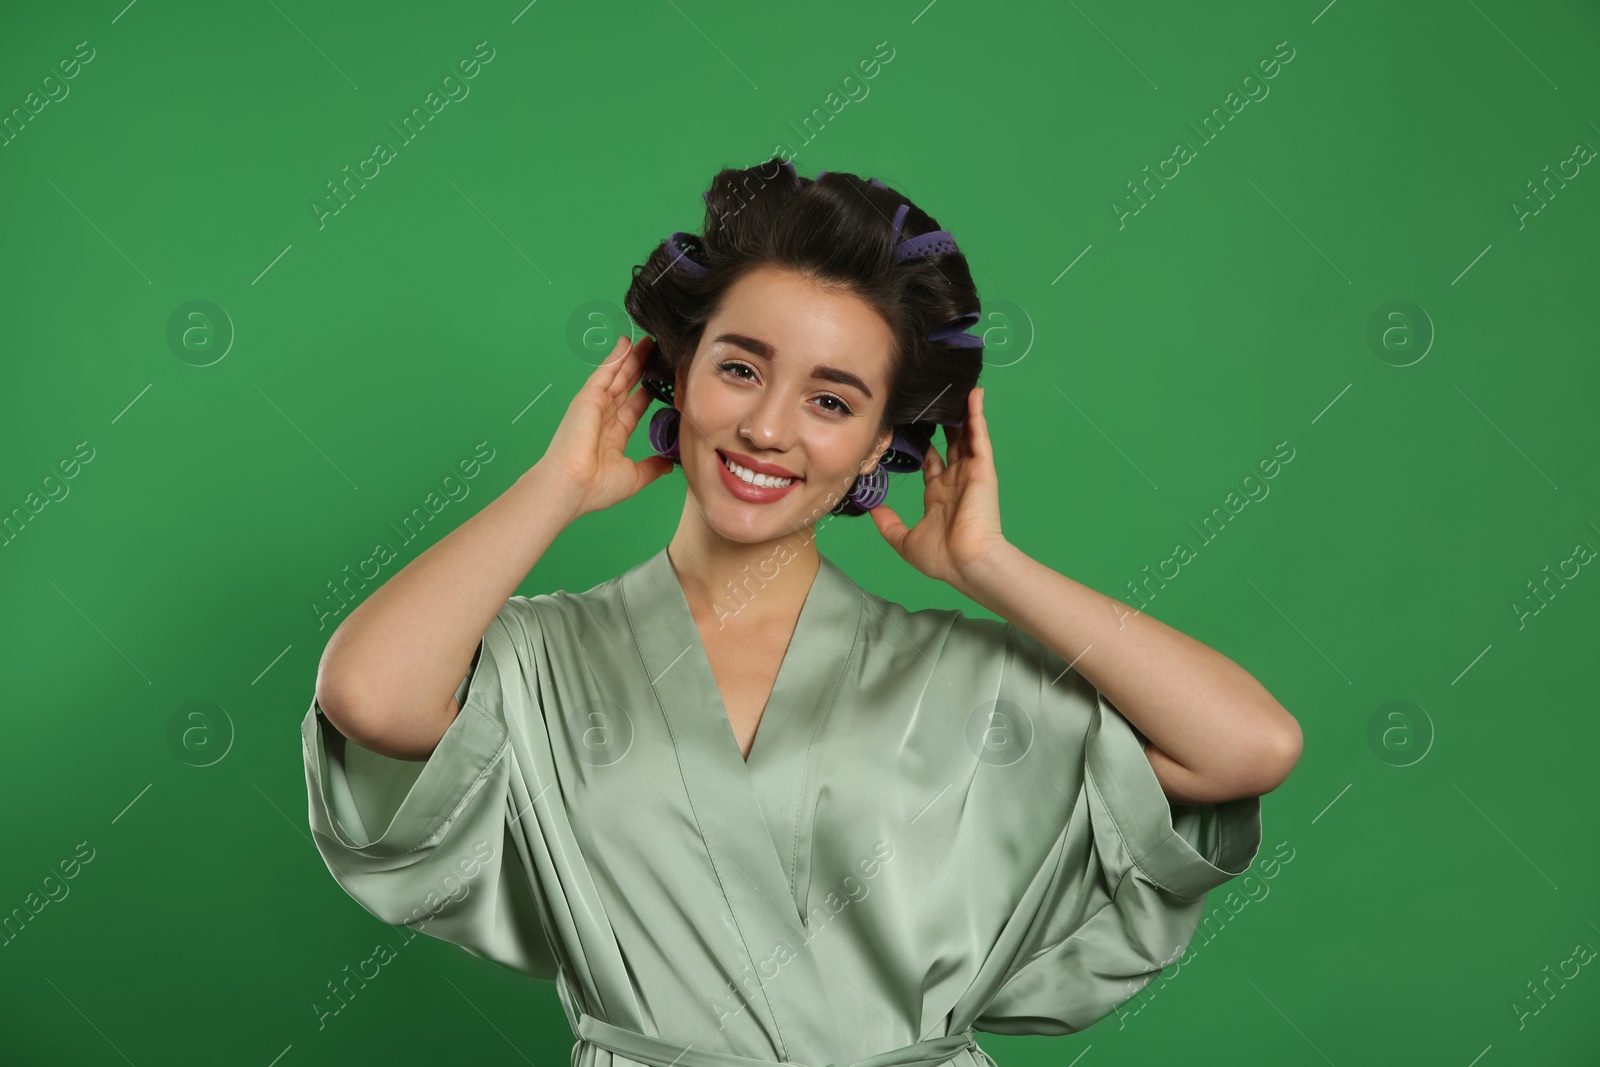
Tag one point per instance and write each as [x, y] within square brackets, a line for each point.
[824, 632]
[752, 813]
[757, 739]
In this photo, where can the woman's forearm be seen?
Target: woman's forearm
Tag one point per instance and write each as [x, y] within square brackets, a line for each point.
[390, 670]
[1220, 734]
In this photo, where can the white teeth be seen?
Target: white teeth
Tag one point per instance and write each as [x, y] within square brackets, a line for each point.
[751, 477]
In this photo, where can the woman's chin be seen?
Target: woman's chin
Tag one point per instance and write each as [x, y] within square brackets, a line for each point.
[746, 522]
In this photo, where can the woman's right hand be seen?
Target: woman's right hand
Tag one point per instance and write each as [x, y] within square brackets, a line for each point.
[586, 451]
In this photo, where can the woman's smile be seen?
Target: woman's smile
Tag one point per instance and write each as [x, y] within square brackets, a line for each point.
[751, 487]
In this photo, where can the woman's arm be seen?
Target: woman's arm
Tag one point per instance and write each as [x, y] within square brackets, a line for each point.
[1221, 736]
[388, 676]
[1215, 733]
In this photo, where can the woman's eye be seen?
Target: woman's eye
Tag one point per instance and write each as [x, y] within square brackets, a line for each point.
[730, 368]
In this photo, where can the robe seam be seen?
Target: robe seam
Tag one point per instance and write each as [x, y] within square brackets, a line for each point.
[544, 840]
[1061, 862]
[1016, 635]
[471, 791]
[805, 777]
[1136, 862]
[705, 840]
[1210, 813]
[436, 831]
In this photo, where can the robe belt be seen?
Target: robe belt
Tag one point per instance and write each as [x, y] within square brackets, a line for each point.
[658, 1052]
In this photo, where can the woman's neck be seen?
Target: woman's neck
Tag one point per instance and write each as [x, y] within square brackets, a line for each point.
[756, 582]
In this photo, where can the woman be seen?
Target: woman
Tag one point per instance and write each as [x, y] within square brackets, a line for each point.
[740, 809]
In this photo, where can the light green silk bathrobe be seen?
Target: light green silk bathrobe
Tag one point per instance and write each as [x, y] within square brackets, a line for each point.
[940, 829]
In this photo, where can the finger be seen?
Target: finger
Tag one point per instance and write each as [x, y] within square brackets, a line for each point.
[606, 369]
[980, 445]
[605, 372]
[889, 525]
[651, 468]
[633, 408]
[955, 442]
[629, 368]
[932, 464]
[972, 431]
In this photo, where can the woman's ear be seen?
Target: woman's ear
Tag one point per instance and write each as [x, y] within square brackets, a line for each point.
[878, 449]
[680, 378]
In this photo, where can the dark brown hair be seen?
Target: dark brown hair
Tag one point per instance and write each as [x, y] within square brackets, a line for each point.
[836, 230]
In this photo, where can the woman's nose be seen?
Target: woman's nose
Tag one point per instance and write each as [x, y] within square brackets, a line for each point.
[768, 423]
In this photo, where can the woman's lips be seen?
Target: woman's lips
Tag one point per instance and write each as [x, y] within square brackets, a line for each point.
[771, 470]
[753, 494]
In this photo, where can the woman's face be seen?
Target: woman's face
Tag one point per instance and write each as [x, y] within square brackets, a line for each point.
[790, 375]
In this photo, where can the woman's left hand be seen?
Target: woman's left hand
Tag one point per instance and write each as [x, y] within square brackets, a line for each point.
[960, 524]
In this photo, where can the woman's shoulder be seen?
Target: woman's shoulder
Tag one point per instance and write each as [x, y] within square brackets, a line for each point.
[936, 626]
[563, 611]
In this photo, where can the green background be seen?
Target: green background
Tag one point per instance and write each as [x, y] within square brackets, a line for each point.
[1444, 850]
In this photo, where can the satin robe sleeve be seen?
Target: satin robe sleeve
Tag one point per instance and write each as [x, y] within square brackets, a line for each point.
[1120, 893]
[429, 843]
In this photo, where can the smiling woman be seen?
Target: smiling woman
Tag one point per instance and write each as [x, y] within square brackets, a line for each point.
[674, 794]
[863, 286]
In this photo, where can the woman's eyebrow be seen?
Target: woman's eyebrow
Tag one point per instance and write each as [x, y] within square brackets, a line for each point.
[758, 347]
